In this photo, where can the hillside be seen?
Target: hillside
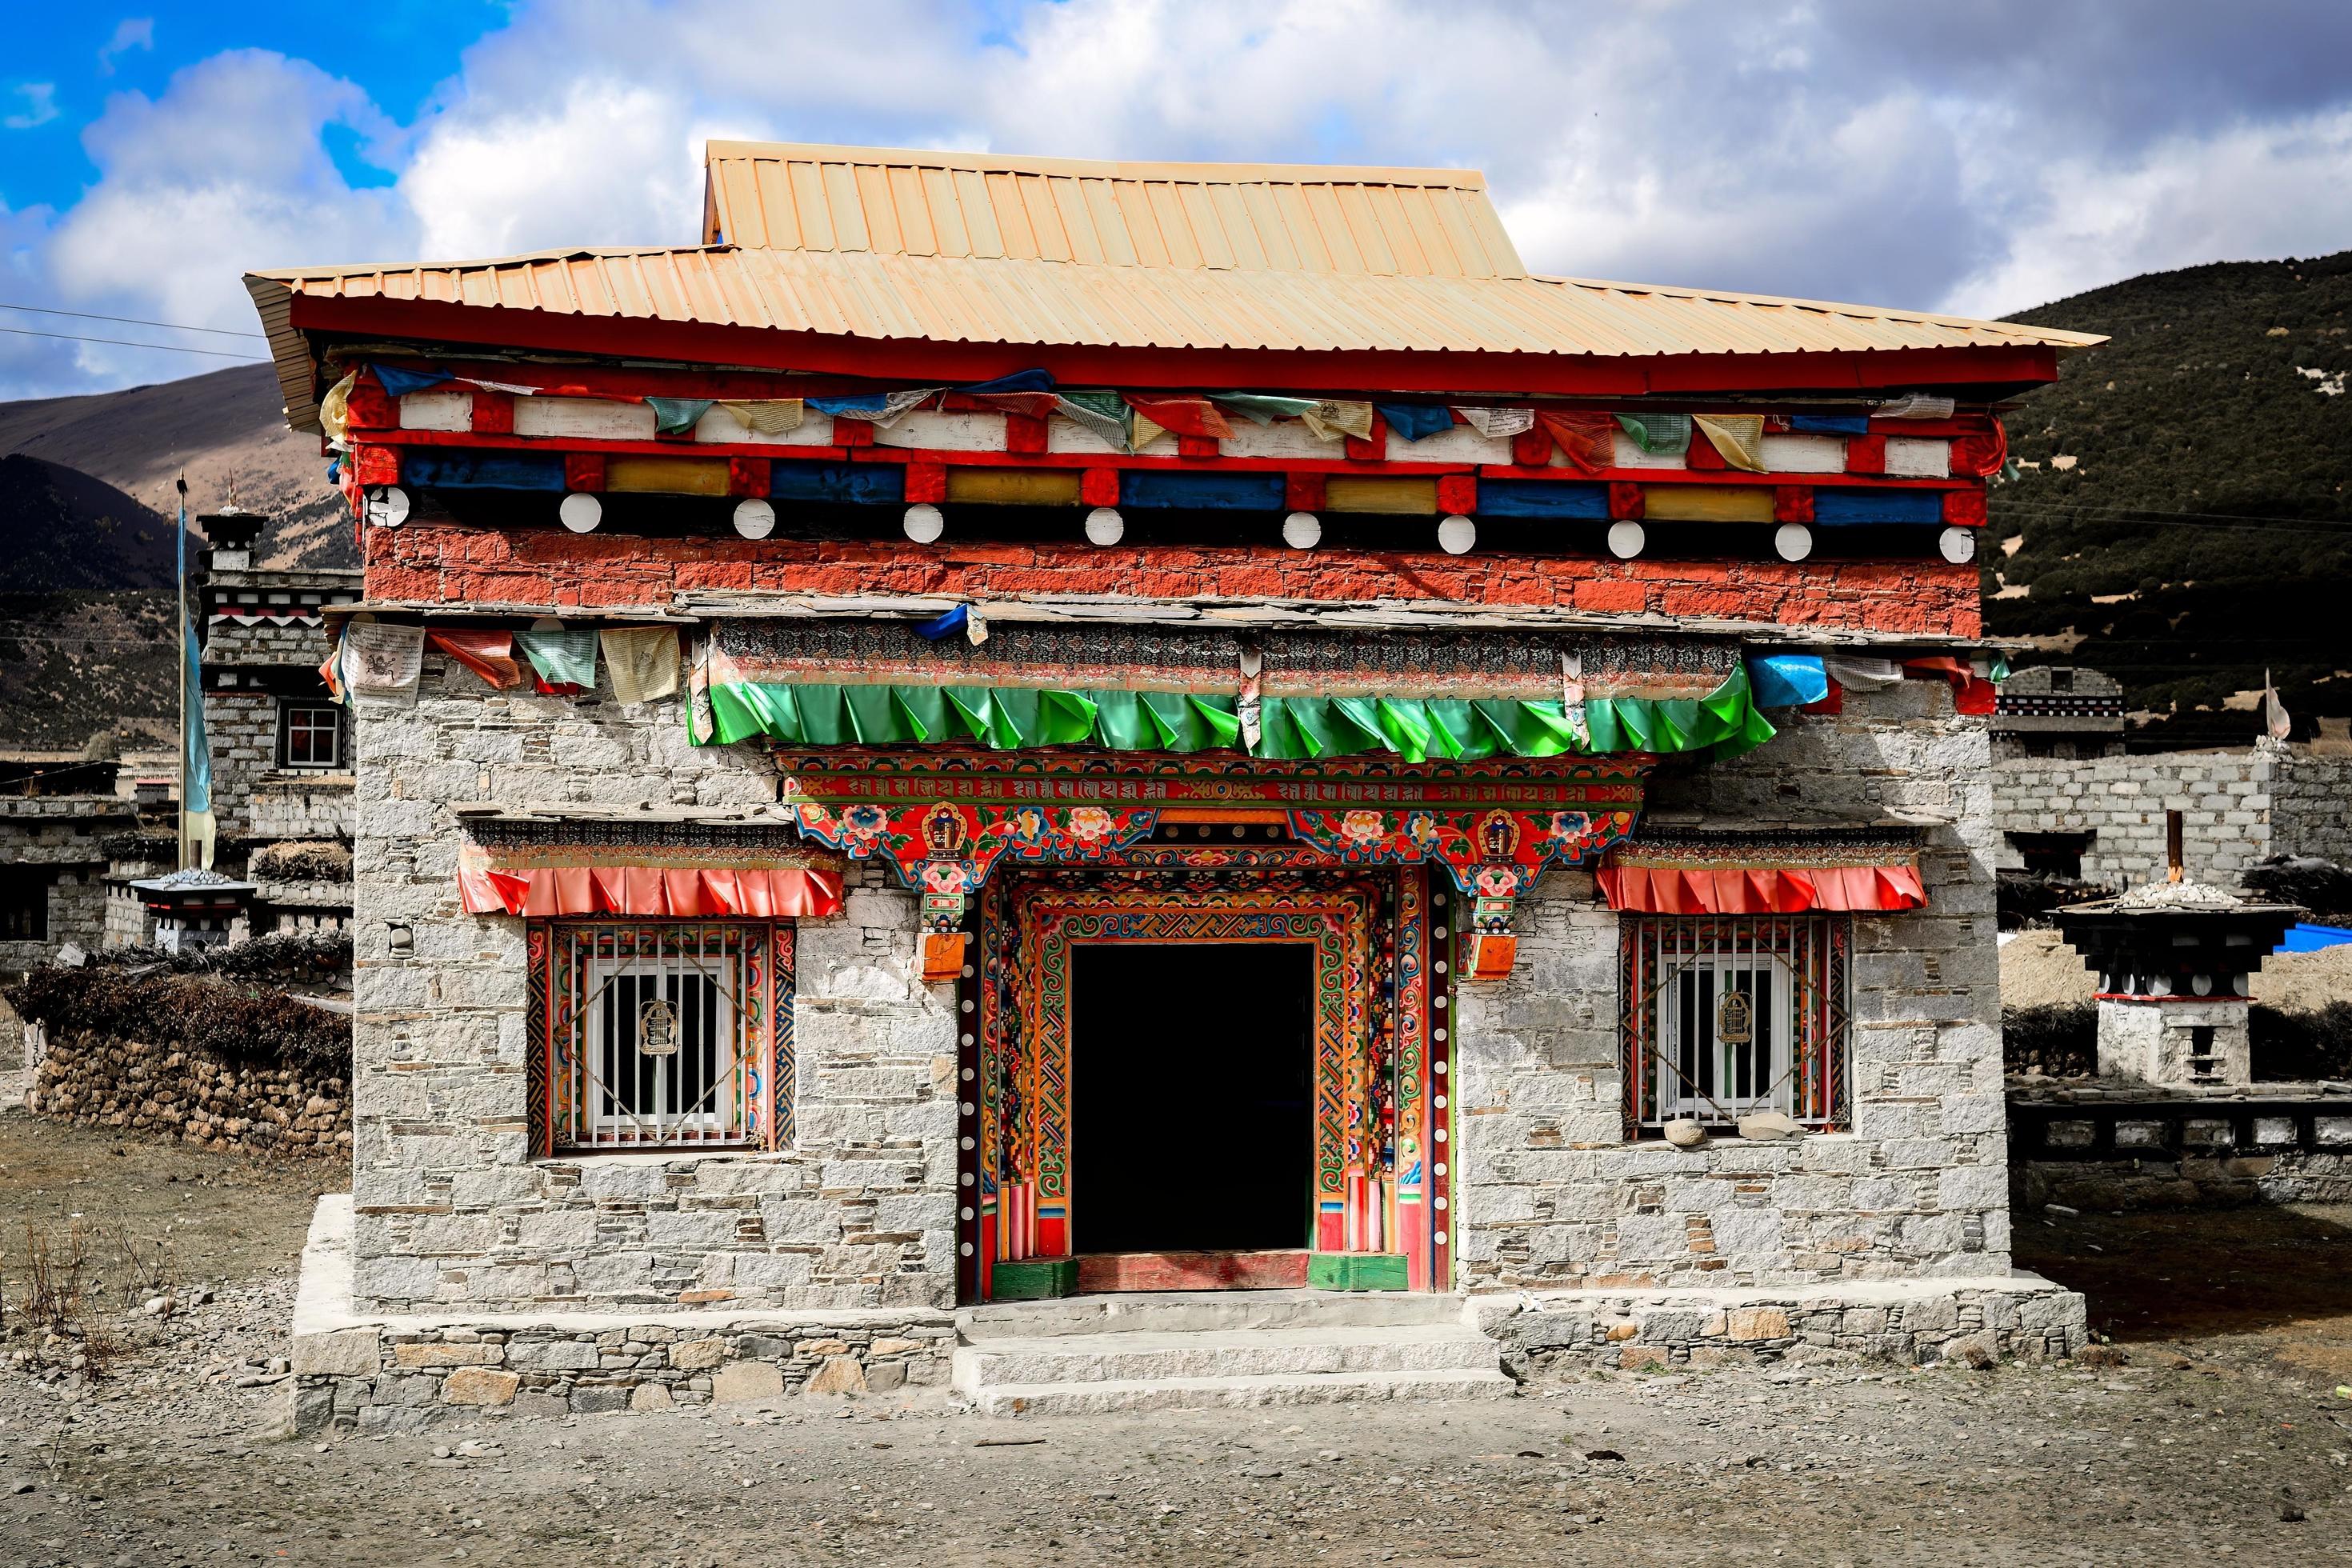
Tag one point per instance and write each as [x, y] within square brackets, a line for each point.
[63, 530]
[224, 427]
[2223, 394]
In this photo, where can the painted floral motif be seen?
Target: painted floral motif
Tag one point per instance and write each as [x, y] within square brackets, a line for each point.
[1089, 823]
[862, 825]
[1363, 827]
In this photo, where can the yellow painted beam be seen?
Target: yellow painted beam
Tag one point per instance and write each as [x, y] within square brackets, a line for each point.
[1408, 497]
[1014, 487]
[1708, 503]
[667, 476]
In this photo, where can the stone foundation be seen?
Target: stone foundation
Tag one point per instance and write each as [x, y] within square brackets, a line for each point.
[1907, 1321]
[407, 1373]
[2115, 1146]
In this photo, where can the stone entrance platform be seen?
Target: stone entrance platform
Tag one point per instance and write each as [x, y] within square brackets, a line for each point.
[2017, 1315]
[405, 1373]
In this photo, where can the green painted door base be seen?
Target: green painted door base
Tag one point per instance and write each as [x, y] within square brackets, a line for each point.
[1355, 1271]
[1034, 1279]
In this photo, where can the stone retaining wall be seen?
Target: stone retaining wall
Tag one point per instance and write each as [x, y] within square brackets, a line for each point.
[133, 1086]
[1910, 1323]
[396, 1377]
[2274, 1144]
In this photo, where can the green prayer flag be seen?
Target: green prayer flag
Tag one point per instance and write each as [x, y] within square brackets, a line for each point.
[1656, 432]
[564, 656]
[677, 415]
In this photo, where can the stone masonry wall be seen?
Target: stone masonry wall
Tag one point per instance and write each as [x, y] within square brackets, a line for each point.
[2311, 804]
[138, 1086]
[449, 1205]
[2225, 799]
[1551, 1194]
[409, 1377]
[241, 729]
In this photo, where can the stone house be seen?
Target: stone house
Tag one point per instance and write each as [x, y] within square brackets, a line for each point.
[1117, 744]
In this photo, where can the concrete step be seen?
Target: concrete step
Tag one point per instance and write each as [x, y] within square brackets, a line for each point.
[1255, 1352]
[1224, 1392]
[1185, 1312]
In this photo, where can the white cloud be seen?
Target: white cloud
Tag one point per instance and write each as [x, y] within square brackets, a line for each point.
[40, 106]
[1892, 156]
[2251, 193]
[131, 33]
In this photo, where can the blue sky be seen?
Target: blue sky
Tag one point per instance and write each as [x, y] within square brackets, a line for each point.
[1978, 158]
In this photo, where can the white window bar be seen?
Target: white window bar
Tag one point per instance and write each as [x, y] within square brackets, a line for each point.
[657, 1037]
[1695, 1057]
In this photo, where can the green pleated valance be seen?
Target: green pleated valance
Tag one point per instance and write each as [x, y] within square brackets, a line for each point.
[1725, 722]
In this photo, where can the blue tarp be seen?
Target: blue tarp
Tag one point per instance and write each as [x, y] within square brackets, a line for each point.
[2311, 939]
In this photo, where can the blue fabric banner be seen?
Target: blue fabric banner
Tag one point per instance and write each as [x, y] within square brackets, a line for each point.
[400, 382]
[1415, 420]
[1830, 424]
[1787, 680]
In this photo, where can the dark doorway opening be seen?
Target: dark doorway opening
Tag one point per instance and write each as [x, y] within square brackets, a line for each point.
[1191, 1097]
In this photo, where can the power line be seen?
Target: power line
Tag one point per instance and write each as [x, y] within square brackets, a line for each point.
[127, 343]
[132, 322]
[2153, 515]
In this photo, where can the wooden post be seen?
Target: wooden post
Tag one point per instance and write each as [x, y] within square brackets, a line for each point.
[2172, 845]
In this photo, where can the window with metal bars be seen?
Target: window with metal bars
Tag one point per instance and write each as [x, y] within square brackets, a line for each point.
[1726, 1015]
[660, 1035]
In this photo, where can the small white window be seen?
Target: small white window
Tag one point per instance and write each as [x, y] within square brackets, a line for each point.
[309, 735]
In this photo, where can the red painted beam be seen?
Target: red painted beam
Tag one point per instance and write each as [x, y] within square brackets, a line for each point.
[916, 360]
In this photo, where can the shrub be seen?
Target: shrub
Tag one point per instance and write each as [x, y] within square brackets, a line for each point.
[2297, 1046]
[2059, 1041]
[243, 1024]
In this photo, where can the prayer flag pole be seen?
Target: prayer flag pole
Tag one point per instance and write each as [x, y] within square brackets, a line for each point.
[180, 657]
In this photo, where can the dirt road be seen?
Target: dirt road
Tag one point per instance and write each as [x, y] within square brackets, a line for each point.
[2221, 1438]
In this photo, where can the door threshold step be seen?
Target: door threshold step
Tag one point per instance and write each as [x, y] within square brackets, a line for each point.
[1275, 1353]
[1243, 1392]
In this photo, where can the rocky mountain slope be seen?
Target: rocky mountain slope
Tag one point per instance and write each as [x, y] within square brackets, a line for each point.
[2181, 519]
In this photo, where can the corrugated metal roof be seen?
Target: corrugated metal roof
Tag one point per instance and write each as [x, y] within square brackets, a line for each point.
[1254, 217]
[882, 245]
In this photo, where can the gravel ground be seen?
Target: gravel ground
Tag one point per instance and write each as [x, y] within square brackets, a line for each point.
[2209, 1430]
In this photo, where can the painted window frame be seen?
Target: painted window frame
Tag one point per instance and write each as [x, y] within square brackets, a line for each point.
[1674, 1064]
[576, 968]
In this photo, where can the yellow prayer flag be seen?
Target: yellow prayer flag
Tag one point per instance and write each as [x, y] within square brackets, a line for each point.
[642, 661]
[1740, 437]
[1332, 419]
[770, 418]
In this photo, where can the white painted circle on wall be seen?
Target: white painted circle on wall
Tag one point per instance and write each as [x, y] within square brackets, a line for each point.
[1958, 545]
[923, 522]
[1792, 541]
[754, 518]
[1626, 539]
[1105, 526]
[580, 512]
[387, 506]
[1456, 535]
[1302, 530]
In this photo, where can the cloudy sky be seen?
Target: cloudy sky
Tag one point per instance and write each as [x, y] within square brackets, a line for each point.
[1979, 156]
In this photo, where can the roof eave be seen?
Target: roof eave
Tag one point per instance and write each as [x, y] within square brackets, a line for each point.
[292, 318]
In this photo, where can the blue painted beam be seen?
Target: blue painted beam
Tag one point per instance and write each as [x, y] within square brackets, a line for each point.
[1832, 507]
[1542, 498]
[1201, 492]
[869, 483]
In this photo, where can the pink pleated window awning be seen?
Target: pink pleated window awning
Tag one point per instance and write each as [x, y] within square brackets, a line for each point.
[1670, 881]
[547, 891]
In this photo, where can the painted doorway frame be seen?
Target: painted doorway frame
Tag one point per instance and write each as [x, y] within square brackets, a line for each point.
[1384, 939]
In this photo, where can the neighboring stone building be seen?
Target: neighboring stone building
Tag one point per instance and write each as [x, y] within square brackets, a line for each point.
[279, 740]
[1272, 748]
[2071, 802]
[62, 823]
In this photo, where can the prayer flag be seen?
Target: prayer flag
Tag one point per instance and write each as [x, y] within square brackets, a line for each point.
[1187, 415]
[1028, 405]
[676, 415]
[1587, 440]
[1261, 410]
[380, 664]
[1655, 432]
[399, 383]
[1498, 422]
[1334, 418]
[1830, 424]
[1101, 412]
[1019, 381]
[1737, 438]
[1416, 421]
[488, 653]
[771, 418]
[641, 660]
[1915, 405]
[2275, 722]
[562, 656]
